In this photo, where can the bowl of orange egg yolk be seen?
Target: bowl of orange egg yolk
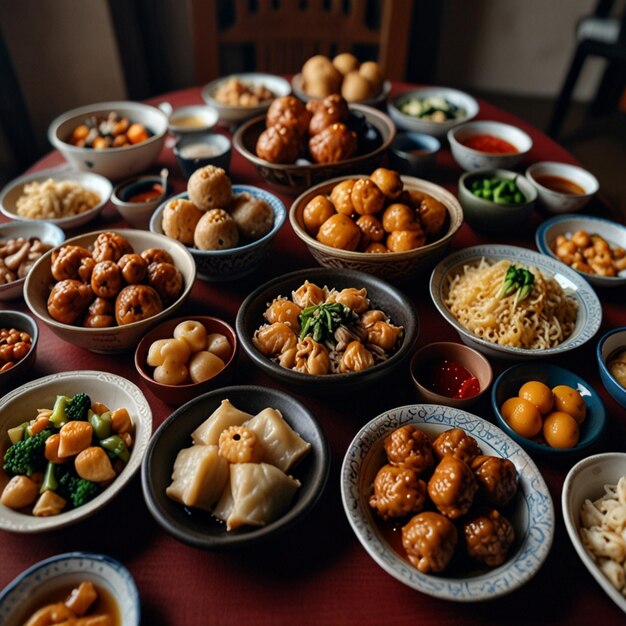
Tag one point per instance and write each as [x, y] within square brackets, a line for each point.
[547, 409]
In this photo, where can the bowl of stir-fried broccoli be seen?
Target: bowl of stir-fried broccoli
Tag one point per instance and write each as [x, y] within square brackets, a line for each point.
[69, 442]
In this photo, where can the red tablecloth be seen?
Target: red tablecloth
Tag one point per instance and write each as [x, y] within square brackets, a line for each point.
[316, 573]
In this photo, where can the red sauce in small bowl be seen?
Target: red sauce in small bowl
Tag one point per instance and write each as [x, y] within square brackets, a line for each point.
[452, 380]
[154, 192]
[560, 185]
[490, 144]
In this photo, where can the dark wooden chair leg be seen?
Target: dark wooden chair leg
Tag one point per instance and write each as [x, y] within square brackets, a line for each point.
[563, 101]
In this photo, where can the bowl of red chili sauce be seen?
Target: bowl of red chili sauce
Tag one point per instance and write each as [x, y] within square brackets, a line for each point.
[451, 374]
[138, 197]
[488, 145]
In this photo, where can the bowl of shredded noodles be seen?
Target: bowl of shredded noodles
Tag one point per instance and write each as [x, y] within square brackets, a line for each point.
[65, 197]
[593, 500]
[510, 302]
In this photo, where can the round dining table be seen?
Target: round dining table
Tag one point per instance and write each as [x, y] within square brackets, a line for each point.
[317, 572]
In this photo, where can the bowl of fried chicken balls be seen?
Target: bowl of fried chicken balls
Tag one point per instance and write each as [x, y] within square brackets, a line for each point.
[446, 503]
[327, 331]
[228, 229]
[296, 145]
[104, 290]
[385, 224]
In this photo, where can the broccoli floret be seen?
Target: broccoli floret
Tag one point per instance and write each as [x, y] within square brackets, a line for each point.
[27, 455]
[78, 406]
[75, 489]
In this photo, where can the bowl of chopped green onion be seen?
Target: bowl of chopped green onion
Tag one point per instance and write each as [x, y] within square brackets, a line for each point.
[496, 200]
[432, 110]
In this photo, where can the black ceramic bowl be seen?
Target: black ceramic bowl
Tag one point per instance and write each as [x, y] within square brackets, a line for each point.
[382, 296]
[200, 529]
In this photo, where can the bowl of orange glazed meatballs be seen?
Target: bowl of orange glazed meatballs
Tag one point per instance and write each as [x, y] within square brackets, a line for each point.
[325, 331]
[184, 357]
[446, 503]
[228, 229]
[113, 139]
[383, 223]
[104, 290]
[297, 145]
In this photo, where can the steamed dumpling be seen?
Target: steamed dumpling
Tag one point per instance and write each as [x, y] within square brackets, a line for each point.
[225, 416]
[256, 494]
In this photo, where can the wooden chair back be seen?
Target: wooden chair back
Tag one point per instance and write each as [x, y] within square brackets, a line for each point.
[285, 33]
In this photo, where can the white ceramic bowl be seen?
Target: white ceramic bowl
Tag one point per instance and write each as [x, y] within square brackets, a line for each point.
[585, 481]
[113, 391]
[532, 517]
[589, 315]
[93, 182]
[232, 115]
[470, 159]
[391, 265]
[113, 163]
[195, 118]
[32, 588]
[556, 201]
[230, 263]
[45, 231]
[438, 129]
[115, 338]
[567, 225]
[138, 214]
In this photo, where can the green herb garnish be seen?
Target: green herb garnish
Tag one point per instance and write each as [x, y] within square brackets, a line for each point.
[321, 320]
[518, 280]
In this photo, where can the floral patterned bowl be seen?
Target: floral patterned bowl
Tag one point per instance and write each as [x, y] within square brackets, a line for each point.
[532, 511]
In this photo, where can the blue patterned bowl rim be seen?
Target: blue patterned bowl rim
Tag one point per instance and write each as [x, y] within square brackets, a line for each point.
[114, 575]
[280, 215]
[589, 308]
[536, 504]
[580, 222]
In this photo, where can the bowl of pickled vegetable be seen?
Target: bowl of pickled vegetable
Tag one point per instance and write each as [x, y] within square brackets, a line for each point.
[497, 200]
[432, 110]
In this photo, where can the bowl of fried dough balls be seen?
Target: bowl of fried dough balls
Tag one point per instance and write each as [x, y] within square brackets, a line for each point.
[228, 229]
[184, 357]
[343, 74]
[446, 503]
[104, 290]
[296, 145]
[384, 224]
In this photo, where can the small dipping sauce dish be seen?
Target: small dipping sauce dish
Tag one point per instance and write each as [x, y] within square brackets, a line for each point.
[195, 151]
[414, 153]
[192, 119]
[137, 197]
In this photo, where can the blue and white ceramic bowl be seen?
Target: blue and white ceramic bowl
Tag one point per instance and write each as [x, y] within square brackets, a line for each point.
[33, 587]
[470, 159]
[589, 315]
[612, 232]
[532, 515]
[507, 386]
[233, 263]
[611, 343]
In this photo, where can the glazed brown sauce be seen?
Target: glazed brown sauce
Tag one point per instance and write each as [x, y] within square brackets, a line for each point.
[105, 604]
[560, 185]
